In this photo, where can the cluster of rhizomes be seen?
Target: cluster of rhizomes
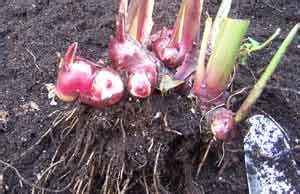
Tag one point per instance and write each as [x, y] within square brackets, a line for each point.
[139, 59]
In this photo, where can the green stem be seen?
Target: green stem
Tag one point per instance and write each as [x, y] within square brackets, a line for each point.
[265, 77]
[225, 52]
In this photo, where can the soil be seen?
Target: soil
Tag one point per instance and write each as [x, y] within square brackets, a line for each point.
[151, 145]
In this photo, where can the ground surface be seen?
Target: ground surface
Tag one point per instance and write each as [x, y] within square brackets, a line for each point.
[132, 134]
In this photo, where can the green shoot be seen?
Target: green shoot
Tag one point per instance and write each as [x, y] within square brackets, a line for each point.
[265, 77]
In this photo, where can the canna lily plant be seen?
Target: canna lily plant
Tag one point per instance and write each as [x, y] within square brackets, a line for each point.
[220, 51]
[213, 78]
[214, 71]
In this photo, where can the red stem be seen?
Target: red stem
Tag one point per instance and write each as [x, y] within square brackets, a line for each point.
[120, 21]
[120, 28]
[172, 49]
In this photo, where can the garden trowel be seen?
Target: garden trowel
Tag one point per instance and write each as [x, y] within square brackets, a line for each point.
[270, 165]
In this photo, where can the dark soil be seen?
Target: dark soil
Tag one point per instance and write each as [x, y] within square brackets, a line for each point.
[153, 144]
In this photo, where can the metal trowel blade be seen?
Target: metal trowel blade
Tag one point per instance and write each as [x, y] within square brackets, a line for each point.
[270, 165]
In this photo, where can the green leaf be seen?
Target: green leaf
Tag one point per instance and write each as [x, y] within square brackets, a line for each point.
[253, 43]
[254, 46]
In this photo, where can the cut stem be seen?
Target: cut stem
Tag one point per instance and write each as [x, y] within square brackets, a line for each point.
[187, 22]
[178, 27]
[201, 69]
[123, 4]
[265, 77]
[120, 21]
[140, 19]
[224, 54]
[222, 13]
[132, 14]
